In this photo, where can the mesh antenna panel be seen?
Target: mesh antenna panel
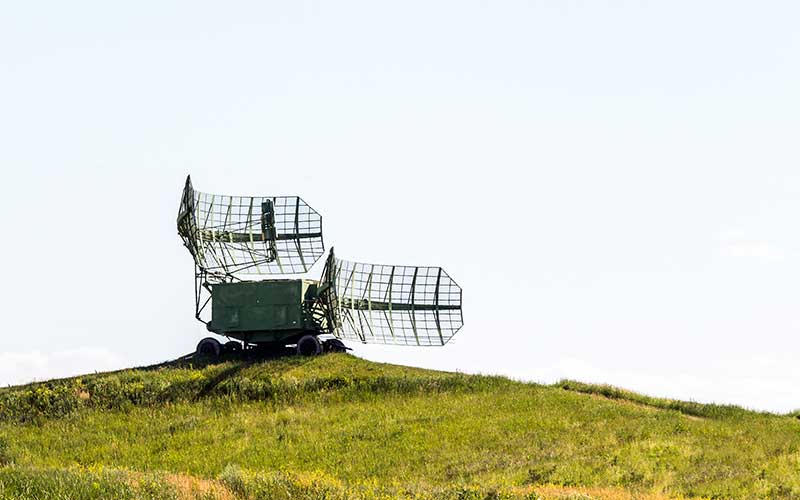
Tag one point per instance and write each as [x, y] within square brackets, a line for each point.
[400, 305]
[229, 235]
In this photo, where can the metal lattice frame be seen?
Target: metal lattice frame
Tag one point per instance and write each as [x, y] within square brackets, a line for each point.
[400, 305]
[230, 235]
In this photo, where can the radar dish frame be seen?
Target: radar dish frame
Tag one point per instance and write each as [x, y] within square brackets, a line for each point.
[393, 305]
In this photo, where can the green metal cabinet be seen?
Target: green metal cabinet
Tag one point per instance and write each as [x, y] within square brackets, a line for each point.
[262, 311]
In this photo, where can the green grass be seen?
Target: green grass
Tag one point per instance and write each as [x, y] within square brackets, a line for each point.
[37, 484]
[340, 427]
[686, 407]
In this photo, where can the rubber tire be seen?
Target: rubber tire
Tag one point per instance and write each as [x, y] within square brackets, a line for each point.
[308, 345]
[334, 345]
[209, 346]
[232, 346]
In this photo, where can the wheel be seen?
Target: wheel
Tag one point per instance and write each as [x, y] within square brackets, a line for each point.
[334, 345]
[309, 345]
[209, 346]
[232, 346]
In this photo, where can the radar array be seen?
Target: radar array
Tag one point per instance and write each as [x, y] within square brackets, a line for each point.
[237, 238]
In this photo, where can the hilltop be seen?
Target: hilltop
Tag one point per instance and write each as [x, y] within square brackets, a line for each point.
[337, 426]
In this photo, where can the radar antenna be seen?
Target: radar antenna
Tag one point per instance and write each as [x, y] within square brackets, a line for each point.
[236, 239]
[231, 235]
[386, 304]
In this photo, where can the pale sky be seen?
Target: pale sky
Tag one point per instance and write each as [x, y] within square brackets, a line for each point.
[615, 185]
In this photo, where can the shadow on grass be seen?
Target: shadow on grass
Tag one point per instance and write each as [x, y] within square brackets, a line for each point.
[243, 358]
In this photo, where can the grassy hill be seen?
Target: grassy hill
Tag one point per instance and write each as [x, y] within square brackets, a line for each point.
[338, 427]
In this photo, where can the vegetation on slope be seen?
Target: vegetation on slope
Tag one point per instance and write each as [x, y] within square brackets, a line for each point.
[339, 427]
